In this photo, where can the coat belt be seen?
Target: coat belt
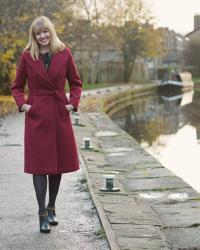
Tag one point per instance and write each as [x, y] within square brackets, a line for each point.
[57, 94]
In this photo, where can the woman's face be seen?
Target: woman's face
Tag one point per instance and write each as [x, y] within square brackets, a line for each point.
[43, 37]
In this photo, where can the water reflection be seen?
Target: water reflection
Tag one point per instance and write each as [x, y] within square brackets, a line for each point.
[168, 127]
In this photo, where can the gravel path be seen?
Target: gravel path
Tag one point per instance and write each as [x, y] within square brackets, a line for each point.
[79, 227]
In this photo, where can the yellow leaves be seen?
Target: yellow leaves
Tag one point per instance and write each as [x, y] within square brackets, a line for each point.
[60, 29]
[6, 98]
[7, 55]
[154, 41]
[23, 18]
[7, 104]
[7, 59]
[11, 46]
[19, 43]
[12, 72]
[5, 110]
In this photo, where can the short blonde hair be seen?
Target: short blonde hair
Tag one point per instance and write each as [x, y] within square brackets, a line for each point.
[39, 24]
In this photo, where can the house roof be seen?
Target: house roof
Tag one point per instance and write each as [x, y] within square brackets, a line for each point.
[192, 32]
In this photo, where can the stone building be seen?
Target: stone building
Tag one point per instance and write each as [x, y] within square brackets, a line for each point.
[194, 35]
[172, 55]
[175, 45]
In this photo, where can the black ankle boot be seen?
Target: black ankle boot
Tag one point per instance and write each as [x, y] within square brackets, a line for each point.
[44, 223]
[52, 216]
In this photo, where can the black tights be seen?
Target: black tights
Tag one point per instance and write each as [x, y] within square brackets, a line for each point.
[40, 185]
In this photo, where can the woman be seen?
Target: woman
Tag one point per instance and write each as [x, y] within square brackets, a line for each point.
[49, 143]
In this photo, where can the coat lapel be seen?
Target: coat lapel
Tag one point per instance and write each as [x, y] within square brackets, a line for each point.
[57, 62]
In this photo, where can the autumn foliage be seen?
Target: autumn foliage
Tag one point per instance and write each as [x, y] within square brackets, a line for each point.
[82, 25]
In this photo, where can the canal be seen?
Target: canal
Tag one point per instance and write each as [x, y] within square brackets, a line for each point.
[168, 127]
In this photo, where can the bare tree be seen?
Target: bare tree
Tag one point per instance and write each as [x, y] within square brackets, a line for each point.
[128, 17]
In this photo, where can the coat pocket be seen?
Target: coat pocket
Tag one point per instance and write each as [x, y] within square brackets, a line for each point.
[29, 102]
[65, 102]
[65, 99]
[33, 109]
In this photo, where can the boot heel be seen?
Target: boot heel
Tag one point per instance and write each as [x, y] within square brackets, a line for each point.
[44, 223]
[53, 221]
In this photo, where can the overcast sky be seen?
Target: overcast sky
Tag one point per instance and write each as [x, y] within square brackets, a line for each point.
[175, 14]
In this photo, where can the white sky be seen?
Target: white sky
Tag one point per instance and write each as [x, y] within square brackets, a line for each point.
[175, 14]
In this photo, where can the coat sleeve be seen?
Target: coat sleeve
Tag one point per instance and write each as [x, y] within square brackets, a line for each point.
[75, 83]
[17, 88]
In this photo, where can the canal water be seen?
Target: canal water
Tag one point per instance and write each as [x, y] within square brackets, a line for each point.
[168, 127]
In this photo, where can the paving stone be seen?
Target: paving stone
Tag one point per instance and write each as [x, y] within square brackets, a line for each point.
[140, 243]
[99, 169]
[105, 133]
[137, 231]
[180, 214]
[118, 149]
[162, 197]
[118, 213]
[154, 184]
[149, 173]
[126, 159]
[119, 141]
[183, 238]
[115, 198]
[155, 198]
[147, 165]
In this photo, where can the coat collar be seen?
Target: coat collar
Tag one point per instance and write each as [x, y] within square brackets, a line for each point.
[57, 61]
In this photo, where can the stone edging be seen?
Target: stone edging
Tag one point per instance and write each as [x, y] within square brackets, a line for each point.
[102, 216]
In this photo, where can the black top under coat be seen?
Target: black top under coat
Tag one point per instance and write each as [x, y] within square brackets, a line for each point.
[46, 57]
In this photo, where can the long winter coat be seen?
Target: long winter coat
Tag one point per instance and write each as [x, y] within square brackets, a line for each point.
[49, 143]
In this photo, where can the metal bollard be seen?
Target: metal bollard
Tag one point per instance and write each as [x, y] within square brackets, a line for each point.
[76, 121]
[87, 143]
[109, 184]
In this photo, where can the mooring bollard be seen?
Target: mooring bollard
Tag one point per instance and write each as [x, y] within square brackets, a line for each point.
[86, 143]
[109, 187]
[76, 121]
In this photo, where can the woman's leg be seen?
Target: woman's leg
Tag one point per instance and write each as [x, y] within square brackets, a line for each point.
[54, 183]
[40, 185]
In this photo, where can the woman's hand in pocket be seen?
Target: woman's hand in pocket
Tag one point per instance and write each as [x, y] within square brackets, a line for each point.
[26, 107]
[69, 107]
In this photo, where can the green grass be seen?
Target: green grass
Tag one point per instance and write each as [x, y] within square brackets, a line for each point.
[83, 180]
[100, 232]
[88, 86]
[196, 80]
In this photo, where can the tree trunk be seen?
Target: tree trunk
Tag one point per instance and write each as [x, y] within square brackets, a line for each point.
[97, 68]
[89, 80]
[128, 68]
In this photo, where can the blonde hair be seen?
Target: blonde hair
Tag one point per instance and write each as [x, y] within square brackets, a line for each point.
[39, 24]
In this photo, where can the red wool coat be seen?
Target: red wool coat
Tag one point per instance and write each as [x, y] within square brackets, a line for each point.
[49, 143]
